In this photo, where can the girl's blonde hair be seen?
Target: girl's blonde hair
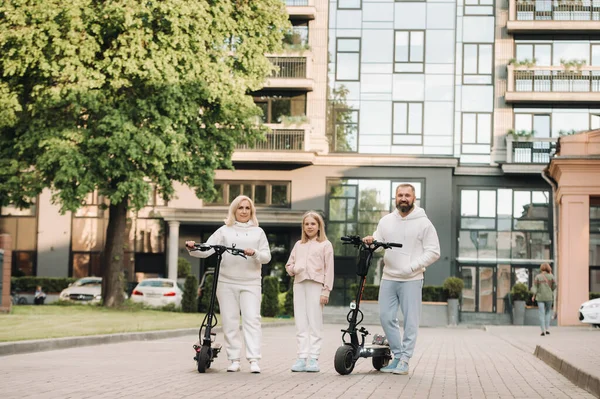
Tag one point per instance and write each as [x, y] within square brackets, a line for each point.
[545, 267]
[321, 236]
[230, 220]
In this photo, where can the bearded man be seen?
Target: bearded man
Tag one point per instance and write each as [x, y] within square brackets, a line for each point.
[402, 282]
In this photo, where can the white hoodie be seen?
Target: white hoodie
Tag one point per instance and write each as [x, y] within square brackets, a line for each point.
[235, 269]
[420, 244]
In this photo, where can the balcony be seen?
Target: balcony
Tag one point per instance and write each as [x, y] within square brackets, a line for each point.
[279, 140]
[301, 9]
[553, 84]
[550, 16]
[292, 74]
[528, 155]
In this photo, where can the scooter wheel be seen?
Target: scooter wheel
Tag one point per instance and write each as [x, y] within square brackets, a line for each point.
[380, 361]
[344, 360]
[203, 359]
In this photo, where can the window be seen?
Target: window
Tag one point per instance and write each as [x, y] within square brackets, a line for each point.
[594, 121]
[409, 51]
[272, 194]
[476, 128]
[477, 63]
[344, 134]
[407, 120]
[349, 4]
[297, 37]
[479, 7]
[278, 106]
[347, 63]
[21, 225]
[541, 53]
[538, 124]
[504, 224]
[594, 244]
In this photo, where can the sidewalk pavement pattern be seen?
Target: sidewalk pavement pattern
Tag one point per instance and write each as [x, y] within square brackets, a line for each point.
[448, 363]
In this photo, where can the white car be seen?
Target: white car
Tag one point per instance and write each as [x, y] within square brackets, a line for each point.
[158, 292]
[84, 290]
[589, 312]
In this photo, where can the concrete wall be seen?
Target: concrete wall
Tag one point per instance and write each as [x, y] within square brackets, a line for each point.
[54, 238]
[433, 314]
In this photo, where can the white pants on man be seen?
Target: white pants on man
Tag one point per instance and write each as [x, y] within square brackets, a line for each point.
[233, 300]
[308, 314]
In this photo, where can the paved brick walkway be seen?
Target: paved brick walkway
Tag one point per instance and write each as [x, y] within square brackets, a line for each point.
[448, 363]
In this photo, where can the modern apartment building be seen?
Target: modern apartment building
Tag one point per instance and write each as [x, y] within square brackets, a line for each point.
[464, 99]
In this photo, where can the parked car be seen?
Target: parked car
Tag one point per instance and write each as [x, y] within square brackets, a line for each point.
[589, 312]
[84, 290]
[158, 292]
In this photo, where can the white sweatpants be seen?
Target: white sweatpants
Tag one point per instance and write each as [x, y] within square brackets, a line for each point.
[233, 300]
[308, 314]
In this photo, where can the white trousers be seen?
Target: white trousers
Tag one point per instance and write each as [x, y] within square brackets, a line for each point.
[236, 299]
[308, 314]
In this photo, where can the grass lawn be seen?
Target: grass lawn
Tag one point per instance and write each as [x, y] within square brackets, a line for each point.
[52, 321]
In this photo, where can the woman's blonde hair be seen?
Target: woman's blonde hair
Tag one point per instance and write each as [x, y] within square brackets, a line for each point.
[230, 220]
[545, 267]
[321, 236]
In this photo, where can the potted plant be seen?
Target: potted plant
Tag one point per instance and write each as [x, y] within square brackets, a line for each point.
[519, 294]
[454, 287]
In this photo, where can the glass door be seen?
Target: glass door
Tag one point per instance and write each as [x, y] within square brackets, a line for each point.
[479, 292]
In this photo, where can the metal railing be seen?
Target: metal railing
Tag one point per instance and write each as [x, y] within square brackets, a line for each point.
[535, 150]
[289, 67]
[296, 3]
[279, 140]
[556, 79]
[558, 10]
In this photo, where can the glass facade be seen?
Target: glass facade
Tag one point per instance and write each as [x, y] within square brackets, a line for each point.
[21, 225]
[594, 244]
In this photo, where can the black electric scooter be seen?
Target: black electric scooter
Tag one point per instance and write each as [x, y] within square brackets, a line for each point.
[348, 354]
[206, 350]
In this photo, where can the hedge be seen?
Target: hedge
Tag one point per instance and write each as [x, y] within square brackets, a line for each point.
[431, 293]
[49, 284]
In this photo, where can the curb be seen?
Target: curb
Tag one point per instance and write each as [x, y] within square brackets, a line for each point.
[577, 376]
[42, 345]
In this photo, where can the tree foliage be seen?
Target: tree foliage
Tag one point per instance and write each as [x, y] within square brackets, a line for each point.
[189, 302]
[270, 298]
[121, 96]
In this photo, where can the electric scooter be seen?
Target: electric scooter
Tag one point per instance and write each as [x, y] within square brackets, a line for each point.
[353, 349]
[206, 349]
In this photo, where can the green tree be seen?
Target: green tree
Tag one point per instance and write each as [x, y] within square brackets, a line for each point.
[125, 95]
[189, 302]
[288, 305]
[184, 268]
[270, 299]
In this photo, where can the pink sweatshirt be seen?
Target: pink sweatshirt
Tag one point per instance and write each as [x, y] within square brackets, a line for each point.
[312, 260]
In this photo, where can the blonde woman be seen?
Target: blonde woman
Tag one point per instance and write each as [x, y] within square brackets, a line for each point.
[311, 264]
[239, 286]
[543, 291]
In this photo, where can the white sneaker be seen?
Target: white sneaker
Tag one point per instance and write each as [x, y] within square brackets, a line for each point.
[254, 367]
[234, 366]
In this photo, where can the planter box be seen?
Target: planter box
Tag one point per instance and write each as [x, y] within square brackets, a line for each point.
[433, 314]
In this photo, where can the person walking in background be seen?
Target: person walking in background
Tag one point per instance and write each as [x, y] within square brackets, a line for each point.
[311, 264]
[543, 291]
[402, 282]
[239, 285]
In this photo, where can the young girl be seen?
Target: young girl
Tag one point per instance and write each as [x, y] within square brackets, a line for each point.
[311, 263]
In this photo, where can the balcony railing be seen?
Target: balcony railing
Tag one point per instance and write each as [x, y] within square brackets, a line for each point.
[558, 10]
[296, 3]
[289, 67]
[279, 140]
[553, 83]
[557, 80]
[534, 150]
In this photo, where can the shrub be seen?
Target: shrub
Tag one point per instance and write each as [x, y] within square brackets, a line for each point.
[594, 295]
[519, 292]
[288, 305]
[370, 292]
[171, 308]
[434, 293]
[206, 294]
[189, 302]
[270, 301]
[454, 286]
[184, 268]
[49, 284]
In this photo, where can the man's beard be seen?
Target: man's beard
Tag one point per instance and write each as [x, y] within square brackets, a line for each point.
[405, 208]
